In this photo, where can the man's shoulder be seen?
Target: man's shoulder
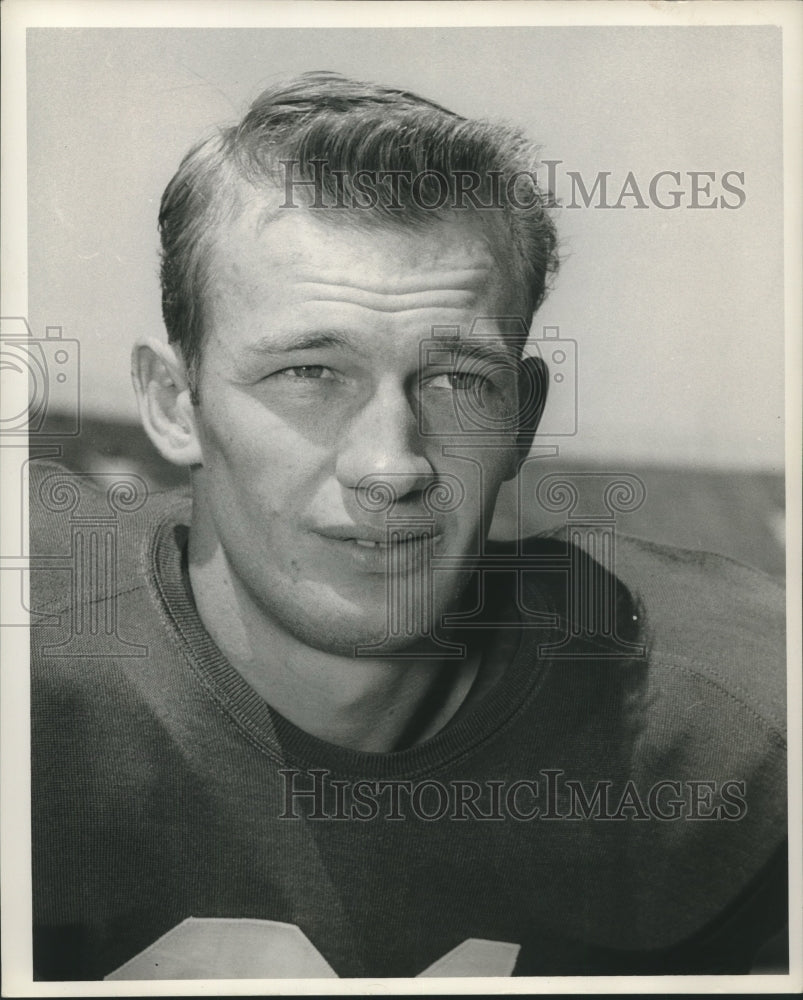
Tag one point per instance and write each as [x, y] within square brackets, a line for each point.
[706, 634]
[711, 618]
[696, 567]
[683, 701]
[646, 562]
[57, 491]
[90, 534]
[95, 593]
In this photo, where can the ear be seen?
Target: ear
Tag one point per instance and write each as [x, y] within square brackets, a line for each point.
[163, 397]
[533, 386]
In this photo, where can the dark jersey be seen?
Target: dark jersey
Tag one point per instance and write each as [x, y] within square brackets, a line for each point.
[614, 802]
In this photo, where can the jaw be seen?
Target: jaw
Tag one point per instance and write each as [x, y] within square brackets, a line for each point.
[397, 613]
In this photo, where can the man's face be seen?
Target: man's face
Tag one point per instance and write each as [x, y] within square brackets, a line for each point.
[312, 390]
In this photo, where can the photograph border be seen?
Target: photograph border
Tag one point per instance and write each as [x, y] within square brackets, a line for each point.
[17, 17]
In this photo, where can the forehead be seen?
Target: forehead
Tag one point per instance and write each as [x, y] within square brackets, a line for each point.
[285, 258]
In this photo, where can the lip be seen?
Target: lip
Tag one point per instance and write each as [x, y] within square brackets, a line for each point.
[377, 535]
[399, 550]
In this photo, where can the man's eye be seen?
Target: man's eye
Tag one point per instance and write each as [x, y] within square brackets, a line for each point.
[457, 381]
[306, 372]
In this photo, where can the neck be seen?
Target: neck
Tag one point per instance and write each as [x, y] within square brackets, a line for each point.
[376, 705]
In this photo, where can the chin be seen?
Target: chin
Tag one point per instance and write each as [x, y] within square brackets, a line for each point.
[332, 622]
[341, 636]
[343, 628]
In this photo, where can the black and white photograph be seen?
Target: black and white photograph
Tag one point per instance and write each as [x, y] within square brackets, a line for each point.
[400, 453]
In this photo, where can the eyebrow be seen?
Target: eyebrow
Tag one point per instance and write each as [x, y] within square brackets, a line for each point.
[276, 344]
[314, 340]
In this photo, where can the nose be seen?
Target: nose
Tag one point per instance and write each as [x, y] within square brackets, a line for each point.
[382, 444]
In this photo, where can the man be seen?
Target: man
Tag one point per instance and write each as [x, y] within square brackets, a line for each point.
[317, 724]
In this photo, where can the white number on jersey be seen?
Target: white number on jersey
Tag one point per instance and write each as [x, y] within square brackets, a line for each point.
[213, 948]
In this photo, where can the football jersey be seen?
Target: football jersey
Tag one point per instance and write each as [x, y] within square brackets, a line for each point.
[612, 802]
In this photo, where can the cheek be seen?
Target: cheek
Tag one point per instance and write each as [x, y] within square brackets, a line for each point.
[479, 471]
[500, 467]
[252, 461]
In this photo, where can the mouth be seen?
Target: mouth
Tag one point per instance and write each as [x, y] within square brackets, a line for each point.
[397, 550]
[366, 544]
[386, 545]
[384, 536]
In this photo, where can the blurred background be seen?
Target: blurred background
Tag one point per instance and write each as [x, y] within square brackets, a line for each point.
[673, 317]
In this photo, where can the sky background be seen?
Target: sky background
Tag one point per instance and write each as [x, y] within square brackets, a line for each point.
[677, 315]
